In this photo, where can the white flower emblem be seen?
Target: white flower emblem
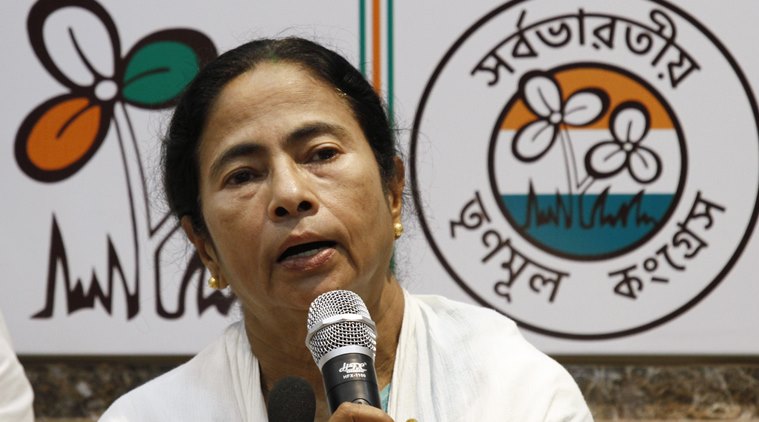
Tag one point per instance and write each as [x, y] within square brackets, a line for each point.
[630, 123]
[543, 97]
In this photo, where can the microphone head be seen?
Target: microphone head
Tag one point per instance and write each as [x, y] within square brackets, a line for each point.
[291, 400]
[339, 322]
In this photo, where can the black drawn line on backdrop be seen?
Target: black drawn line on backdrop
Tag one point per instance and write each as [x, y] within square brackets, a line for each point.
[76, 296]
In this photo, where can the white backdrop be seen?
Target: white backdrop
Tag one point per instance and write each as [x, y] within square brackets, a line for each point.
[91, 207]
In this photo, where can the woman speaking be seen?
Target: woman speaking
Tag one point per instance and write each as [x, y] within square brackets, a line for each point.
[282, 167]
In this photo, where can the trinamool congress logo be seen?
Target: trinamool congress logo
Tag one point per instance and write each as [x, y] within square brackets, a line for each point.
[588, 168]
[78, 43]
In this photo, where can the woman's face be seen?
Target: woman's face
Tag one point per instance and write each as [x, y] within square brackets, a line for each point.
[291, 193]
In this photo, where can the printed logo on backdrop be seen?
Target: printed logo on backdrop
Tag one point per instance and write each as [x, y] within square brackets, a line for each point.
[77, 42]
[589, 169]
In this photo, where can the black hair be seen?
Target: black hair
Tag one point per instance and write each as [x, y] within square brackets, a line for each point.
[182, 141]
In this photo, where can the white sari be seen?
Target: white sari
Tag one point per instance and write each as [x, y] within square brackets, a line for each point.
[455, 362]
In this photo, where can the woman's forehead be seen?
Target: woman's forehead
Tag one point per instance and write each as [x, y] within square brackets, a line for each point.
[270, 85]
[271, 100]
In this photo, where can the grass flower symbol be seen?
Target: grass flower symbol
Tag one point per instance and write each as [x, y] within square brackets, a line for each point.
[629, 124]
[77, 42]
[543, 97]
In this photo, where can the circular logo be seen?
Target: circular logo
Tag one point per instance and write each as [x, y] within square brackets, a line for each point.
[578, 168]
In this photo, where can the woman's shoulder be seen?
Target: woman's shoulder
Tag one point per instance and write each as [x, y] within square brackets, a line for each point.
[470, 343]
[485, 336]
[470, 319]
[192, 389]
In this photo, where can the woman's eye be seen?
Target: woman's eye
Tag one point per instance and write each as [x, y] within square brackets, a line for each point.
[324, 154]
[240, 177]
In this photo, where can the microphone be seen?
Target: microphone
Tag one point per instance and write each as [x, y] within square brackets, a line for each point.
[291, 400]
[342, 339]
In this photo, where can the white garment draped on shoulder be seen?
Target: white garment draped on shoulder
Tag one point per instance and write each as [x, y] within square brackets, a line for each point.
[455, 362]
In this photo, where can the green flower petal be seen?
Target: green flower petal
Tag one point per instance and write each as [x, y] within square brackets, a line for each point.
[157, 72]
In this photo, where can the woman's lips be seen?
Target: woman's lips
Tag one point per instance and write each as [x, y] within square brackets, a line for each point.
[307, 256]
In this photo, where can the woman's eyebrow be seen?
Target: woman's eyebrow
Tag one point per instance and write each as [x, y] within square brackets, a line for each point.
[313, 129]
[240, 150]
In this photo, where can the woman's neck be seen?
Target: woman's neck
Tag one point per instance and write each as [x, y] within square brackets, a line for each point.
[278, 344]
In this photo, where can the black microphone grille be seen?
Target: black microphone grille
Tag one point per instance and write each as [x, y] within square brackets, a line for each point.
[338, 319]
[291, 400]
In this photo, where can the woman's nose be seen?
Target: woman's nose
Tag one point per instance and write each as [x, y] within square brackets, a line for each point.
[291, 194]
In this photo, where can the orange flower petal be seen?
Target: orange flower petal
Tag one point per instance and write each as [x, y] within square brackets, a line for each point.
[63, 134]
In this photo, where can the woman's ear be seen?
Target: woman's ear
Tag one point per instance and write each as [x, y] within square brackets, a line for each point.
[395, 193]
[203, 245]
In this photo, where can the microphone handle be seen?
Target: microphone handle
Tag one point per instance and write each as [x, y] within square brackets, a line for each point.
[350, 377]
